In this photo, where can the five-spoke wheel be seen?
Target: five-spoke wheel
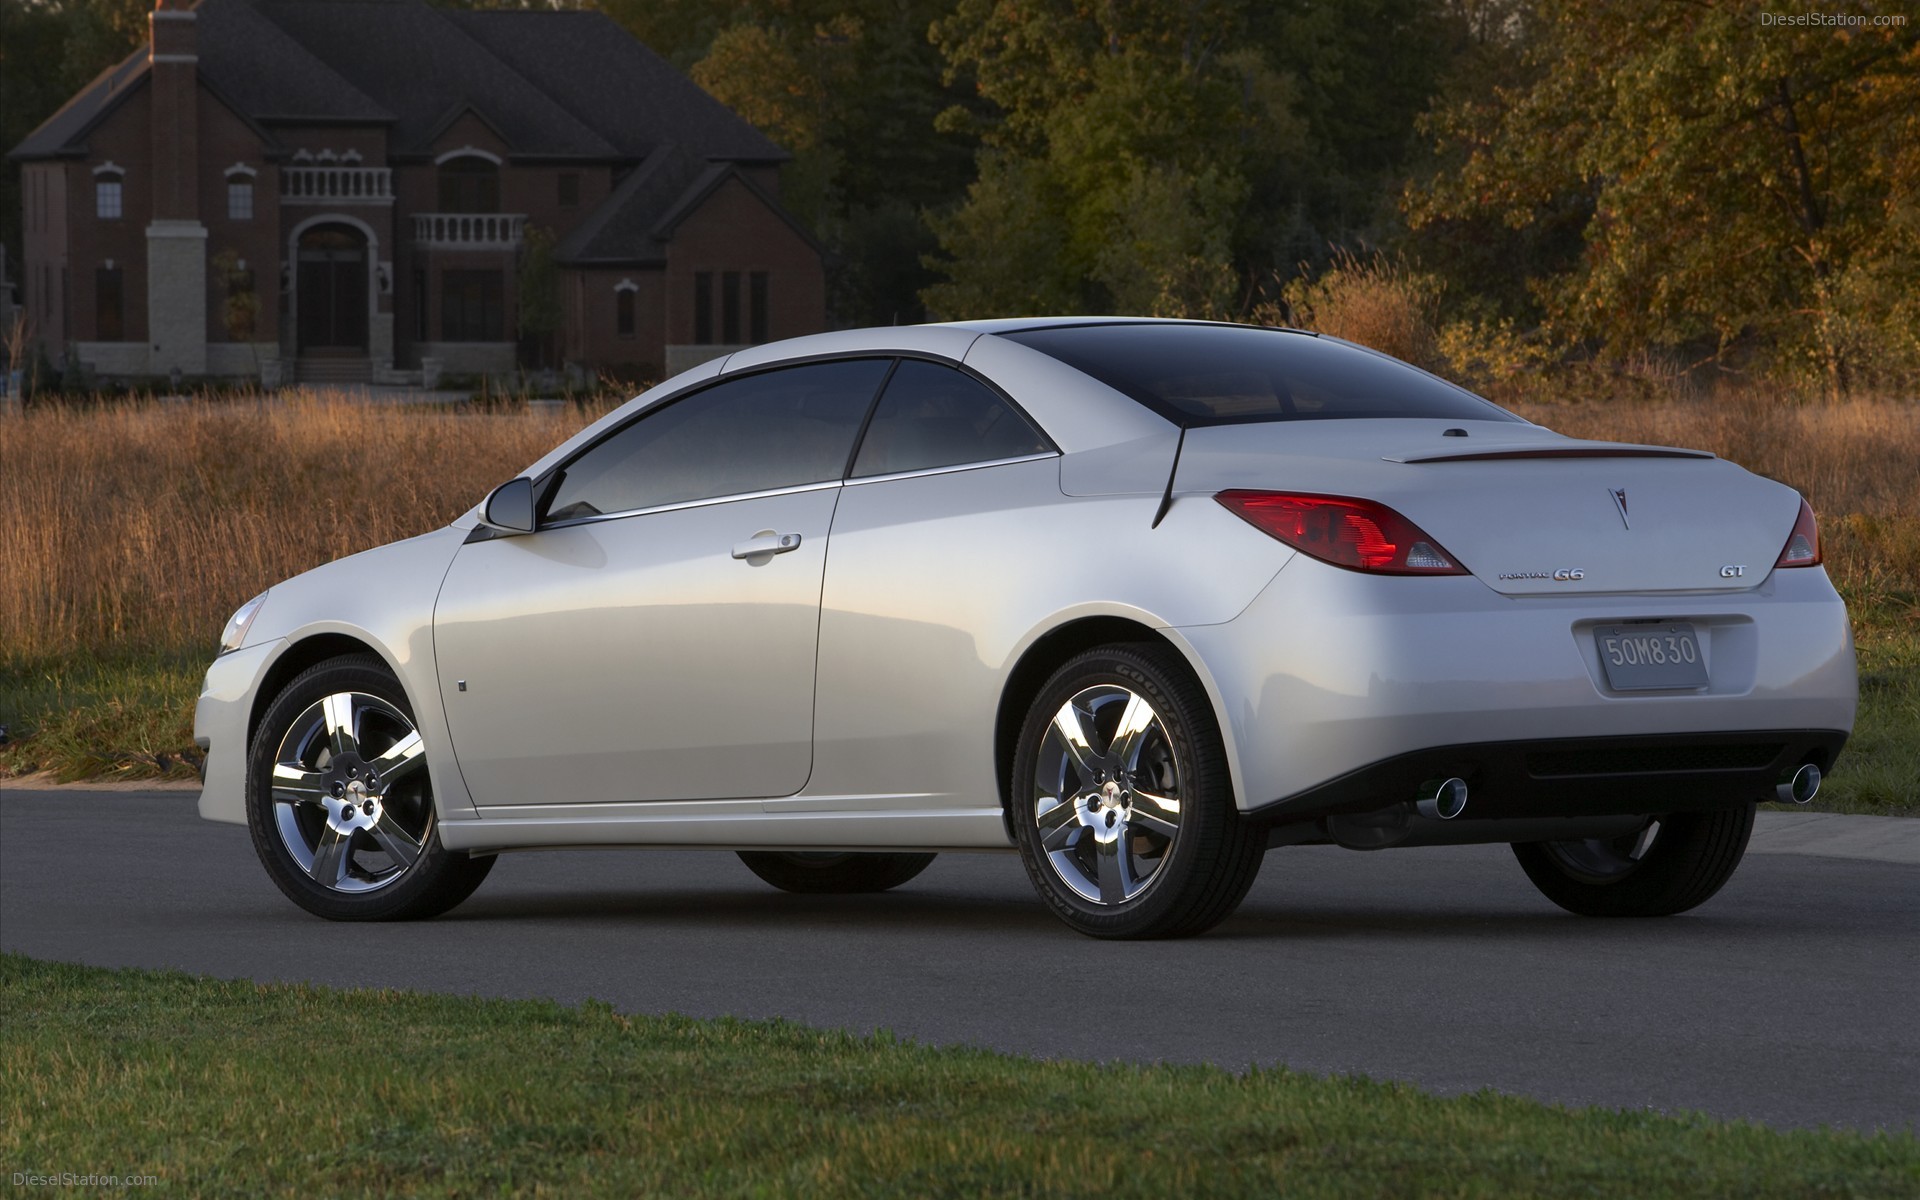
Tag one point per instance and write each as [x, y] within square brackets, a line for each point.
[1121, 802]
[350, 799]
[341, 803]
[1107, 794]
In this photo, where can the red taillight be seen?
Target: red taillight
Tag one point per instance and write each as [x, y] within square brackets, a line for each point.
[1361, 535]
[1803, 544]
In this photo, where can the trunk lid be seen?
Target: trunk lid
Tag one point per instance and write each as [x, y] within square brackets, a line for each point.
[1527, 511]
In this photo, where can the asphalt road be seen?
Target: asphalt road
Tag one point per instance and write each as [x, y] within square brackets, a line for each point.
[1789, 999]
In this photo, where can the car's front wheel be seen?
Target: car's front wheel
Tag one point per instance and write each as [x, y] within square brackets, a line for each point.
[1671, 864]
[1121, 801]
[340, 803]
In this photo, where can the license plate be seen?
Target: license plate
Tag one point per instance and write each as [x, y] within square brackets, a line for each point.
[1646, 658]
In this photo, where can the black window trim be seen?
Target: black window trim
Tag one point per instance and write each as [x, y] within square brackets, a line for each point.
[547, 481]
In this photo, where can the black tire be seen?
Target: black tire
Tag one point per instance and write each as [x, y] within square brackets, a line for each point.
[1202, 860]
[302, 814]
[833, 873]
[1687, 858]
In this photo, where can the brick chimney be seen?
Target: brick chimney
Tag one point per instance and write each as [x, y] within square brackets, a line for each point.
[176, 240]
[174, 60]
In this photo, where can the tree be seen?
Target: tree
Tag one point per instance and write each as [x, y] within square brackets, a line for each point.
[1171, 155]
[1117, 169]
[537, 292]
[1735, 183]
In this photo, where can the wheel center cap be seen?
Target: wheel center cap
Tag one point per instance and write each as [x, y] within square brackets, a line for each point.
[1111, 793]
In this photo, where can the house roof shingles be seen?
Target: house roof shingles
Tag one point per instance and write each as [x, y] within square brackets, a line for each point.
[631, 96]
[551, 84]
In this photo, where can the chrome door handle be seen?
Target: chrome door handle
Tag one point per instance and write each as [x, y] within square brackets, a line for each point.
[767, 543]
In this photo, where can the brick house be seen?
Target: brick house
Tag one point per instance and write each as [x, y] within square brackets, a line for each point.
[353, 187]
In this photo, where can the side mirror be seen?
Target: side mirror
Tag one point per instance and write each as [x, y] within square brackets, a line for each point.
[509, 507]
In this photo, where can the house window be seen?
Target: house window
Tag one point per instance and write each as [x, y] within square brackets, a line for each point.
[106, 198]
[703, 308]
[730, 308]
[469, 185]
[471, 307]
[109, 305]
[419, 306]
[569, 186]
[239, 199]
[623, 312]
[757, 306]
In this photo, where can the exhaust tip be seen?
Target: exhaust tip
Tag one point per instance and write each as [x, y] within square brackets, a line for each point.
[1445, 801]
[1804, 786]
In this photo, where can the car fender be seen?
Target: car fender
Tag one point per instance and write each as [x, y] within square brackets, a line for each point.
[394, 619]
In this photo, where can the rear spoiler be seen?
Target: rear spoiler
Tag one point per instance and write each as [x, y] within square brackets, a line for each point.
[1549, 451]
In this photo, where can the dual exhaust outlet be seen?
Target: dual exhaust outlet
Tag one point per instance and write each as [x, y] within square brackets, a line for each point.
[1448, 799]
[1804, 786]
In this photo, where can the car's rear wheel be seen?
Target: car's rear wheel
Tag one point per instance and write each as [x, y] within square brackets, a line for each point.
[1121, 801]
[1673, 863]
[340, 803]
[833, 873]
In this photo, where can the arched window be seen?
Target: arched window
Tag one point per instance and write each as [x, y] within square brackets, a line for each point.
[623, 307]
[469, 184]
[108, 202]
[240, 192]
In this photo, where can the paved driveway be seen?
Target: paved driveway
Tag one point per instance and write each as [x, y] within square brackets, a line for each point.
[1788, 999]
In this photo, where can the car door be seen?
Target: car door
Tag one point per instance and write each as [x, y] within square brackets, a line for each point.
[654, 638]
[936, 529]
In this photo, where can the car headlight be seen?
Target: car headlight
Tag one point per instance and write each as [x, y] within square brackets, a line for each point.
[235, 634]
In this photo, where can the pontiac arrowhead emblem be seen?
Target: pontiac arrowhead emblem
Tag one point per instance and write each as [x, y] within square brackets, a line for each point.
[1620, 502]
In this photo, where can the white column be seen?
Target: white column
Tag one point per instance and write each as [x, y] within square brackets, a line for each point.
[177, 297]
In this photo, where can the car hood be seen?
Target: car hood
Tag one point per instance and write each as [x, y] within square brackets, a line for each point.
[1528, 511]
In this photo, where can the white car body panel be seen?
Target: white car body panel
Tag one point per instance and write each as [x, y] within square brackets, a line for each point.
[382, 598]
[630, 683]
[932, 595]
[634, 658]
[1330, 670]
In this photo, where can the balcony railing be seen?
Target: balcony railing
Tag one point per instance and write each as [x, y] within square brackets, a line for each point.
[336, 185]
[469, 231]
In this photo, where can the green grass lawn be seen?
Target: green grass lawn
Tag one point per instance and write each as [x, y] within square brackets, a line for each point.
[243, 1089]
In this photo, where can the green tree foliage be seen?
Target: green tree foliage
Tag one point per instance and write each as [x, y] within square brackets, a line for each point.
[1168, 155]
[1118, 167]
[1734, 184]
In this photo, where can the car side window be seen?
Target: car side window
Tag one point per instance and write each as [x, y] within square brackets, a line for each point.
[935, 416]
[772, 430]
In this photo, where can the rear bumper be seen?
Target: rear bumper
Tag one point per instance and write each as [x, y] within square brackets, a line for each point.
[1578, 777]
[1331, 677]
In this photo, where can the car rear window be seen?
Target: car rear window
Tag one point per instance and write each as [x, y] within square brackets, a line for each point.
[1228, 374]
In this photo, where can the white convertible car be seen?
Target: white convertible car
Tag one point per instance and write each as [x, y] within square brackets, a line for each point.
[1137, 599]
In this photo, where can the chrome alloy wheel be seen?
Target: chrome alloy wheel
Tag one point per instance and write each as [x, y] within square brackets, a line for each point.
[1107, 794]
[1604, 860]
[350, 793]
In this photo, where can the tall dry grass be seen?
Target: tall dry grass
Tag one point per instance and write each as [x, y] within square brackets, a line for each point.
[138, 527]
[1858, 456]
[1857, 462]
[141, 526]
